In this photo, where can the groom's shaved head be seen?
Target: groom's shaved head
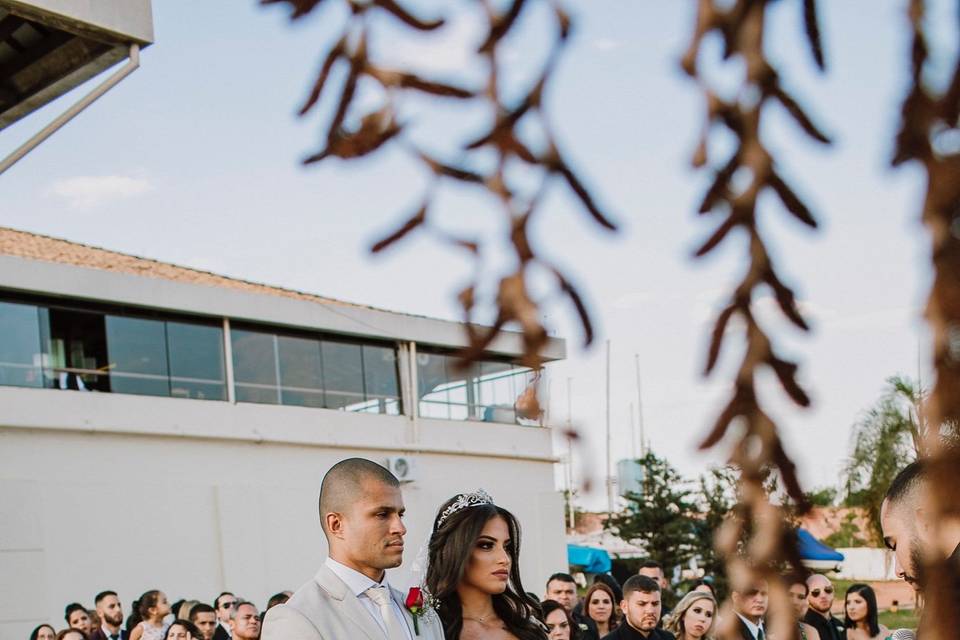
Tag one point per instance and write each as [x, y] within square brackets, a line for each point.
[343, 484]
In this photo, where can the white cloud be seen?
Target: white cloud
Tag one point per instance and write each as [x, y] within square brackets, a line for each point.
[88, 192]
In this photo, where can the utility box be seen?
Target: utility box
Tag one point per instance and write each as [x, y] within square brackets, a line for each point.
[48, 47]
[629, 476]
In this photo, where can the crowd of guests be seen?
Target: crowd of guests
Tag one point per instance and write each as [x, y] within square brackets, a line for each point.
[153, 617]
[636, 609]
[607, 611]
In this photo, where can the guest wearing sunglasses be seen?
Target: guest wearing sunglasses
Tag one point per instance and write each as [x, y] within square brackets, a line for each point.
[223, 605]
[819, 617]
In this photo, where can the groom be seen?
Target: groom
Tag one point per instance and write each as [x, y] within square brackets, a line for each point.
[360, 511]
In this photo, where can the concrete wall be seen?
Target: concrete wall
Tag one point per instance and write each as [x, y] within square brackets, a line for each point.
[132, 493]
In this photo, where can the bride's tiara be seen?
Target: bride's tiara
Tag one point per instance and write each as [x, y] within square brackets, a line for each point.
[463, 501]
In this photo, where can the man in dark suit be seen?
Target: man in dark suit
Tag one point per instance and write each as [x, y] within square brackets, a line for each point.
[223, 605]
[111, 617]
[820, 599]
[562, 588]
[641, 611]
[750, 605]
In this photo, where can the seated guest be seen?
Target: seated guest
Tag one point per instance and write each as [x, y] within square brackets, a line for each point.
[183, 611]
[818, 615]
[204, 618]
[601, 606]
[277, 598]
[641, 611]
[244, 621]
[560, 624]
[182, 630]
[860, 609]
[750, 605]
[71, 634]
[694, 617]
[77, 617]
[153, 607]
[798, 590]
[111, 617]
[704, 584]
[562, 588]
[653, 569]
[223, 604]
[43, 632]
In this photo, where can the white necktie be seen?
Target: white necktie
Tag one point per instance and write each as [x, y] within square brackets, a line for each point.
[395, 627]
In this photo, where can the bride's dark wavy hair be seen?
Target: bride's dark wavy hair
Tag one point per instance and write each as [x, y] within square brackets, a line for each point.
[451, 545]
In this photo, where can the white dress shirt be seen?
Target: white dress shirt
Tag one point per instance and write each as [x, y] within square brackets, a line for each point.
[358, 583]
[754, 628]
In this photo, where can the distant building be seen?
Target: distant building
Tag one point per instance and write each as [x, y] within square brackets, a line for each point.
[163, 427]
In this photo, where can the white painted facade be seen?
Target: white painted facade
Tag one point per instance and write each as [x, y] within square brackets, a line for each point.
[127, 492]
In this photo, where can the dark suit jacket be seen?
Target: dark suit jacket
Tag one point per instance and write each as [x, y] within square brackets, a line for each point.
[220, 633]
[831, 629]
[626, 632]
[100, 635]
[588, 628]
[744, 630]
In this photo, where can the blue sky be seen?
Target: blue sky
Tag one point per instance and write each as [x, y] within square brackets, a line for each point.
[194, 160]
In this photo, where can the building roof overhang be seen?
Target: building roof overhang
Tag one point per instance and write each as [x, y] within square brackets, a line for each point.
[49, 47]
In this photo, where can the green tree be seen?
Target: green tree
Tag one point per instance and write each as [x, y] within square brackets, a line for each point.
[887, 437]
[716, 498]
[661, 518]
[822, 497]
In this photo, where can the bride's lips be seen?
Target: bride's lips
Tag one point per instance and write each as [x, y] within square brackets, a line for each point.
[502, 575]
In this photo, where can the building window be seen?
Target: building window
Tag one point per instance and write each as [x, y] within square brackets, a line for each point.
[195, 353]
[312, 372]
[137, 356]
[20, 345]
[85, 349]
[485, 391]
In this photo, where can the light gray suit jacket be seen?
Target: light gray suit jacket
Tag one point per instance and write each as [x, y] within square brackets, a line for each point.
[325, 609]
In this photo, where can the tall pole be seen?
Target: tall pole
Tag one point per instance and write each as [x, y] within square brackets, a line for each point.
[609, 476]
[643, 446]
[633, 434]
[569, 470]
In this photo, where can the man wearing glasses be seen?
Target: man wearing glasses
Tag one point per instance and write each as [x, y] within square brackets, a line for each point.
[223, 605]
[818, 616]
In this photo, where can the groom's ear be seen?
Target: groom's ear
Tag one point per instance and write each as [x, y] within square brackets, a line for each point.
[334, 524]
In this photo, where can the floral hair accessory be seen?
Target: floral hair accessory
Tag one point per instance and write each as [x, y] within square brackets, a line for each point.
[463, 501]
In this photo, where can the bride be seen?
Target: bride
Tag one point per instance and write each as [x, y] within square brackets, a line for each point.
[473, 574]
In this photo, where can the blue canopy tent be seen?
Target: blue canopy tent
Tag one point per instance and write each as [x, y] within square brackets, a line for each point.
[815, 554]
[590, 559]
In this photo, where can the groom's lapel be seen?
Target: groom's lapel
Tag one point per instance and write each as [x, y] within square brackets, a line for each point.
[348, 603]
[399, 598]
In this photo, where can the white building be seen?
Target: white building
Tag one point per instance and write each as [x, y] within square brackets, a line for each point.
[162, 427]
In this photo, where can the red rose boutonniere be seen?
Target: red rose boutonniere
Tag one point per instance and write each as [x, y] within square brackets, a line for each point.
[414, 604]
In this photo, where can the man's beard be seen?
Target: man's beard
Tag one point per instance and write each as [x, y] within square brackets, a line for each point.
[918, 579]
[115, 621]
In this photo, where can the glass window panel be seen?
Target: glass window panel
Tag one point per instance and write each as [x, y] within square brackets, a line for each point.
[301, 374]
[196, 361]
[255, 366]
[380, 376]
[20, 357]
[137, 354]
[343, 375]
[76, 355]
[432, 385]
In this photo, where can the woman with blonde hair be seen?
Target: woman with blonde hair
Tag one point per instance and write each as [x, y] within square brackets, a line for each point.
[694, 617]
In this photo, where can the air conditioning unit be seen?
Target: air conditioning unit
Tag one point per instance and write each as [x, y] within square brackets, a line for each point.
[403, 467]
